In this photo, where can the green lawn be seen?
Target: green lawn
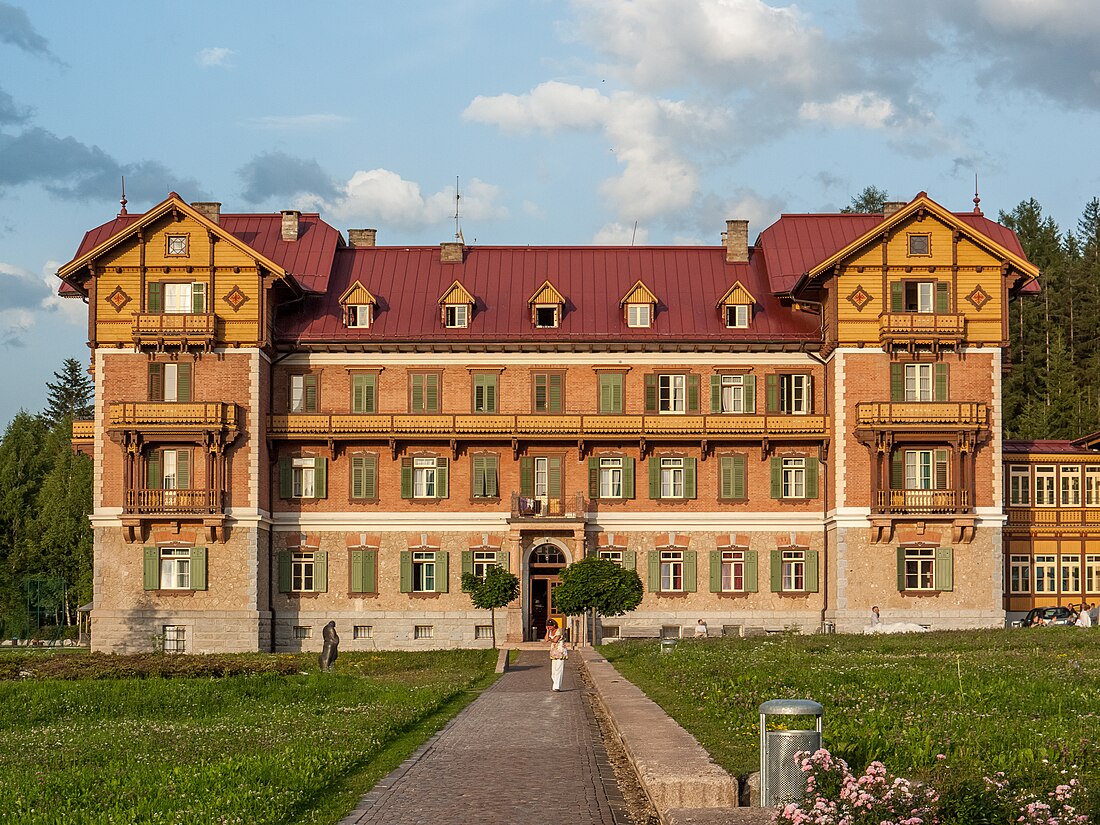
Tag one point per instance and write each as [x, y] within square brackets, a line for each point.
[268, 747]
[1026, 702]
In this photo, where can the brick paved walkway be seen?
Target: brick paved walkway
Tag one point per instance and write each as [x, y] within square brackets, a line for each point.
[519, 754]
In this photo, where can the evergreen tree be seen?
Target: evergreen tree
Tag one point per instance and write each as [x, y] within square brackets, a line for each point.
[70, 394]
[870, 200]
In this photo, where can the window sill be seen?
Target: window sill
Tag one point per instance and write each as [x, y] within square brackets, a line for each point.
[418, 595]
[303, 594]
[363, 500]
[734, 594]
[794, 594]
[923, 594]
[174, 591]
[372, 594]
[672, 594]
[484, 500]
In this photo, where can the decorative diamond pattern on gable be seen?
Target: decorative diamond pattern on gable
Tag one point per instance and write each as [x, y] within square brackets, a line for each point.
[859, 297]
[118, 299]
[235, 298]
[978, 297]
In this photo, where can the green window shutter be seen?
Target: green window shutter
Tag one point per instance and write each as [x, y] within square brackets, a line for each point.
[309, 389]
[811, 477]
[504, 561]
[690, 571]
[725, 476]
[478, 481]
[689, 478]
[945, 568]
[628, 478]
[370, 571]
[467, 562]
[630, 560]
[540, 392]
[406, 478]
[416, 402]
[442, 476]
[320, 478]
[156, 382]
[940, 482]
[752, 579]
[183, 383]
[811, 571]
[611, 393]
[198, 568]
[442, 576]
[198, 298]
[716, 393]
[750, 394]
[739, 473]
[527, 476]
[940, 383]
[901, 569]
[151, 569]
[593, 478]
[942, 297]
[153, 302]
[692, 392]
[897, 470]
[406, 571]
[363, 393]
[897, 297]
[654, 563]
[651, 393]
[491, 487]
[554, 393]
[358, 483]
[776, 467]
[431, 392]
[284, 571]
[777, 571]
[355, 564]
[771, 387]
[490, 393]
[370, 476]
[897, 383]
[154, 479]
[654, 477]
[183, 469]
[553, 477]
[715, 571]
[286, 478]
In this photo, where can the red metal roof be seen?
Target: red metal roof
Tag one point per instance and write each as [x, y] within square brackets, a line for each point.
[408, 282]
[1044, 446]
[794, 243]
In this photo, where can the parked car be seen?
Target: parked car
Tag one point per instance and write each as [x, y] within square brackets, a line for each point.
[1050, 615]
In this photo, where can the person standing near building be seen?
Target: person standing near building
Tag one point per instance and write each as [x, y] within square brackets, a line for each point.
[558, 654]
[1083, 618]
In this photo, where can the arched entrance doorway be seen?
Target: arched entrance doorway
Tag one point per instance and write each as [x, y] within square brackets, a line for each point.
[544, 563]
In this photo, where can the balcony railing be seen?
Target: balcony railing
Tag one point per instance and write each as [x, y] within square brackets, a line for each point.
[175, 329]
[1053, 516]
[154, 415]
[922, 327]
[922, 501]
[173, 502]
[83, 430]
[308, 425]
[922, 414]
[561, 508]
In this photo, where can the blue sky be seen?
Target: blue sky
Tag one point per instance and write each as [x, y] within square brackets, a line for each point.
[564, 122]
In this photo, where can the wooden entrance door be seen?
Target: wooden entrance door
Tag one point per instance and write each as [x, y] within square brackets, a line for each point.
[542, 606]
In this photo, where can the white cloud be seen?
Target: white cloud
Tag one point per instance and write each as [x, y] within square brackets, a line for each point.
[28, 299]
[617, 234]
[864, 109]
[214, 56]
[311, 121]
[1076, 19]
[548, 107]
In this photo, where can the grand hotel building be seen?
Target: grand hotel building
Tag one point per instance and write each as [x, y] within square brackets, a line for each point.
[293, 426]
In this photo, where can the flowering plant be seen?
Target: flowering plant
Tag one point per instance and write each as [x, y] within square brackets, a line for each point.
[1060, 807]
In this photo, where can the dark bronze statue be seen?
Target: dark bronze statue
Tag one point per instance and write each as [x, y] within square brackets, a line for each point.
[330, 649]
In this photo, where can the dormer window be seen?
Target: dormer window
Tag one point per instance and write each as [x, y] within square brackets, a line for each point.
[358, 306]
[456, 306]
[737, 316]
[736, 307]
[358, 316]
[546, 316]
[456, 315]
[639, 304]
[638, 315]
[546, 306]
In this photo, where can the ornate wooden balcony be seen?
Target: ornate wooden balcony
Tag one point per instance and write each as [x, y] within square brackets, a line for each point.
[920, 502]
[1053, 517]
[946, 415]
[173, 502]
[917, 329]
[565, 508]
[174, 330]
[83, 438]
[151, 418]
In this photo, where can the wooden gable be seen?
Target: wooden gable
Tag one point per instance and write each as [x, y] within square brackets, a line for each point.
[456, 294]
[357, 294]
[736, 294]
[639, 294]
[546, 295]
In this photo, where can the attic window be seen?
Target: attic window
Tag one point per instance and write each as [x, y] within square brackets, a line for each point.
[456, 306]
[358, 316]
[546, 316]
[358, 305]
[456, 315]
[920, 245]
[735, 307]
[639, 315]
[737, 316]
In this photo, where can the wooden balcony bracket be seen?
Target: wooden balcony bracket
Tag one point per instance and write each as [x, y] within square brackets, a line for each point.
[704, 449]
[765, 448]
[962, 531]
[582, 450]
[515, 449]
[823, 450]
[641, 449]
[454, 449]
[393, 449]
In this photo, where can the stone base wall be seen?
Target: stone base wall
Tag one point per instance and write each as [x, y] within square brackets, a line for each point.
[205, 631]
[387, 630]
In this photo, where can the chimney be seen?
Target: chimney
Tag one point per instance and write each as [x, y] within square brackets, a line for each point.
[290, 224]
[737, 242]
[890, 207]
[451, 252]
[358, 238]
[211, 210]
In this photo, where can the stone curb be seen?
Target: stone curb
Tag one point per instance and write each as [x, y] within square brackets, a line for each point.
[502, 660]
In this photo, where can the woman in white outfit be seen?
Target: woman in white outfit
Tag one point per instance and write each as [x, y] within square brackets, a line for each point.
[558, 654]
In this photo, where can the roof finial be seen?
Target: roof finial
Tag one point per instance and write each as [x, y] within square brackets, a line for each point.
[122, 200]
[977, 200]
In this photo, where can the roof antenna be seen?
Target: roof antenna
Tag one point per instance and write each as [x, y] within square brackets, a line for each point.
[122, 200]
[634, 233]
[977, 200]
[458, 223]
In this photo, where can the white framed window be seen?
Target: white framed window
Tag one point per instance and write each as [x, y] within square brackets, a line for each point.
[1070, 478]
[362, 631]
[733, 393]
[737, 316]
[423, 631]
[1045, 571]
[184, 298]
[1092, 486]
[733, 571]
[918, 469]
[794, 570]
[611, 478]
[1044, 486]
[672, 478]
[483, 631]
[302, 567]
[794, 478]
[920, 568]
[171, 374]
[1092, 573]
[615, 556]
[920, 296]
[358, 315]
[795, 396]
[302, 631]
[542, 477]
[1019, 574]
[175, 568]
[169, 465]
[546, 316]
[672, 571]
[424, 477]
[483, 560]
[175, 638]
[919, 382]
[1019, 485]
[671, 393]
[1071, 573]
[297, 393]
[302, 478]
[639, 315]
[456, 315]
[423, 570]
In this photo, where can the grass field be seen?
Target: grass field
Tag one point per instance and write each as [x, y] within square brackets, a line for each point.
[1025, 702]
[260, 748]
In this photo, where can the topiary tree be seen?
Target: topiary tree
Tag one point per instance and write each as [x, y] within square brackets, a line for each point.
[497, 589]
[597, 584]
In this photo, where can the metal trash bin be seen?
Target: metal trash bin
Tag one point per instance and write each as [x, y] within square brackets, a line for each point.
[668, 645]
[781, 779]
